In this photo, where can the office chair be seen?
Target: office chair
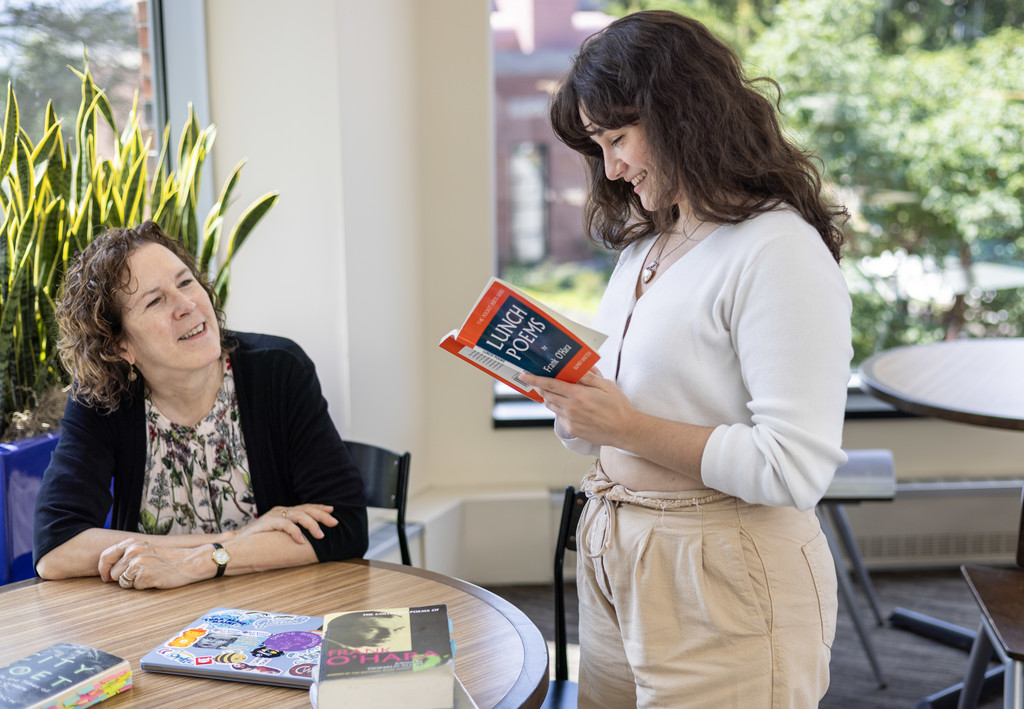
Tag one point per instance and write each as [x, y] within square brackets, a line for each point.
[562, 692]
[386, 481]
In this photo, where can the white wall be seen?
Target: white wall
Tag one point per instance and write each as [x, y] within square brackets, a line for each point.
[372, 119]
[383, 281]
[274, 82]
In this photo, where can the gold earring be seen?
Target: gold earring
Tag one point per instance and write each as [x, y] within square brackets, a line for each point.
[132, 376]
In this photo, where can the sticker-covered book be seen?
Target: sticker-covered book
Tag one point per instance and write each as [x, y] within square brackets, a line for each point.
[243, 645]
[390, 657]
[507, 333]
[63, 675]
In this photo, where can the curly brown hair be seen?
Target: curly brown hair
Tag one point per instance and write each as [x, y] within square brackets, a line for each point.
[709, 127]
[90, 311]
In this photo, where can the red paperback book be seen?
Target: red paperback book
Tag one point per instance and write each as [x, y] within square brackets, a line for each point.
[508, 333]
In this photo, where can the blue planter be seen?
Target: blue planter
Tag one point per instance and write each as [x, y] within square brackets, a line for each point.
[22, 464]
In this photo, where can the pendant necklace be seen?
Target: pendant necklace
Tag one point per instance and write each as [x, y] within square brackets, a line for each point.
[652, 268]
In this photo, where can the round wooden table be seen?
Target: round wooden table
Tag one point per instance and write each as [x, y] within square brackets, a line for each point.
[501, 657]
[978, 381]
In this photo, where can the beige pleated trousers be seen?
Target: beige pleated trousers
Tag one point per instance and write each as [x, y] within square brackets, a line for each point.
[709, 602]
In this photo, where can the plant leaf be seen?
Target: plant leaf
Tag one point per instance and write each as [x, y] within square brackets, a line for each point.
[160, 169]
[211, 241]
[10, 132]
[85, 125]
[46, 145]
[248, 221]
[103, 104]
[221, 285]
[136, 188]
[48, 248]
[26, 183]
[189, 136]
[165, 214]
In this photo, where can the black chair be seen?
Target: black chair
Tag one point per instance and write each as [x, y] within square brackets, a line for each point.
[386, 482]
[562, 692]
[998, 593]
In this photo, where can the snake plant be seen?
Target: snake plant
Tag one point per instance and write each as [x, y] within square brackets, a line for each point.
[58, 192]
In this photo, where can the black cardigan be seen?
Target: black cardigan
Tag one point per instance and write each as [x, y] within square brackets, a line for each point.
[295, 454]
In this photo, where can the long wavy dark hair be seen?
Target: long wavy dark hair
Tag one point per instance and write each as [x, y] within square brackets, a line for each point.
[710, 129]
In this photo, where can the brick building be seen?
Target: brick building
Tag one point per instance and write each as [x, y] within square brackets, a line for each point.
[540, 186]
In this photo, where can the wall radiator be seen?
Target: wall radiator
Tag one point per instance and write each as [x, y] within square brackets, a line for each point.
[943, 523]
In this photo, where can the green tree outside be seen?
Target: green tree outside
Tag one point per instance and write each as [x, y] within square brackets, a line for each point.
[916, 110]
[40, 39]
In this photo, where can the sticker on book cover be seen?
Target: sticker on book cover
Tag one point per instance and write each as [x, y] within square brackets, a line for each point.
[229, 657]
[188, 637]
[179, 656]
[215, 641]
[264, 651]
[247, 640]
[259, 661]
[310, 655]
[251, 667]
[293, 641]
[255, 619]
[303, 670]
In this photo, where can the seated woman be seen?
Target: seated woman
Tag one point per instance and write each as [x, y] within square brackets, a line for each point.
[216, 446]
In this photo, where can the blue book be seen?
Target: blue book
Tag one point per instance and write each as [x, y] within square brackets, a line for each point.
[243, 645]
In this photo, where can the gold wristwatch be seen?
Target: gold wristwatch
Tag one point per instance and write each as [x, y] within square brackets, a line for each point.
[220, 557]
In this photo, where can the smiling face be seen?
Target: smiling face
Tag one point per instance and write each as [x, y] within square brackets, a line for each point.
[170, 327]
[627, 156]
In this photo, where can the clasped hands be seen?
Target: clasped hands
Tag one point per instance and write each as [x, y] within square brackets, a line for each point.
[146, 563]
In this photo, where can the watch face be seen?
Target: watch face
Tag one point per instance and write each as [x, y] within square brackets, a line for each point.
[221, 556]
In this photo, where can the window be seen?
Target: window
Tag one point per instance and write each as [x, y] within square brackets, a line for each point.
[528, 214]
[39, 40]
[539, 182]
[916, 109]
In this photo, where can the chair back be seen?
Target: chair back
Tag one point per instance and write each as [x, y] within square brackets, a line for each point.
[385, 476]
[1020, 534]
[572, 508]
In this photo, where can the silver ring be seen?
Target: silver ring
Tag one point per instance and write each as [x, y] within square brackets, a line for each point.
[124, 580]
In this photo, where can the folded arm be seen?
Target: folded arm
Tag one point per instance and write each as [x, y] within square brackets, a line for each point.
[275, 540]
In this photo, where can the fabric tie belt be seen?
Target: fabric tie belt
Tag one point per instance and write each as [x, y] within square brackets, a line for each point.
[597, 485]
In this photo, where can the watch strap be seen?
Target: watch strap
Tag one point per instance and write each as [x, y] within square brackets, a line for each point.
[218, 552]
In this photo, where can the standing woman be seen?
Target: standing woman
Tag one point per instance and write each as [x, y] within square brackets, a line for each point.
[213, 451]
[704, 577]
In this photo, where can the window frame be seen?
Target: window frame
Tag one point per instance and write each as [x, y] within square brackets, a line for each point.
[180, 74]
[513, 410]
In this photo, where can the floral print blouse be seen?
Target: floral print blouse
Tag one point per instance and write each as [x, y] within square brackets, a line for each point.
[197, 479]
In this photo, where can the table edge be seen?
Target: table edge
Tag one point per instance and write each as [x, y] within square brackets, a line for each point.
[958, 416]
[979, 570]
[14, 585]
[870, 384]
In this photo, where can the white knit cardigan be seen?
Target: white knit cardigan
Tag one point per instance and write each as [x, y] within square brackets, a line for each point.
[748, 333]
